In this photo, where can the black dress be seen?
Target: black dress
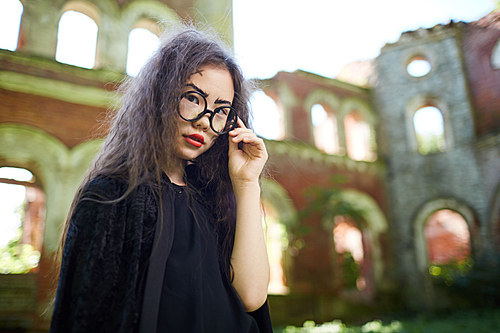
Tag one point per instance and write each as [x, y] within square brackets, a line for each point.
[196, 294]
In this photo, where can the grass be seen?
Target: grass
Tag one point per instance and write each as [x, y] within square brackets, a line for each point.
[470, 321]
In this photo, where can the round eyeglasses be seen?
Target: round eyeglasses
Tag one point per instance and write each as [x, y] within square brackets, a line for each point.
[193, 106]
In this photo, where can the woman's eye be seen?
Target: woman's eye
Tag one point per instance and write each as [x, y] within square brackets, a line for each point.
[222, 111]
[192, 98]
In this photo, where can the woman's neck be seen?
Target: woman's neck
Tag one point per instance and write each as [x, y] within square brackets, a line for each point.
[176, 171]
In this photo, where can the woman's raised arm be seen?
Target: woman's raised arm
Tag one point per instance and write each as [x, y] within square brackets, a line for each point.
[249, 257]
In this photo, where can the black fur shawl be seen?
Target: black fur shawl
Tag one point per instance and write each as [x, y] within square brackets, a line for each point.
[114, 241]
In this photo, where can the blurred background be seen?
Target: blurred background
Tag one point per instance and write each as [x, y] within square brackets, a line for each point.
[382, 120]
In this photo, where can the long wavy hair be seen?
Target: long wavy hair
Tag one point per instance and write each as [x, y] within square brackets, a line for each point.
[141, 132]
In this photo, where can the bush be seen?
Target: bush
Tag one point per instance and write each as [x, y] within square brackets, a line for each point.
[472, 321]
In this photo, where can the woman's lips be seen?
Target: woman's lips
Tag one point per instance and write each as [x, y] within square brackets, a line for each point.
[196, 140]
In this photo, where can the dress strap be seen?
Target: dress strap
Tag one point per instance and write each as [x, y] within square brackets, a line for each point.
[164, 237]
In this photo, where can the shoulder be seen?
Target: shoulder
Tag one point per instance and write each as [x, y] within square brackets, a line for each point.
[107, 196]
[104, 188]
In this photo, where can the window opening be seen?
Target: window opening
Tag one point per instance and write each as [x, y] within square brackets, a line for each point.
[276, 243]
[76, 40]
[22, 213]
[348, 242]
[325, 129]
[141, 45]
[429, 129]
[495, 56]
[418, 67]
[267, 119]
[11, 12]
[448, 245]
[358, 137]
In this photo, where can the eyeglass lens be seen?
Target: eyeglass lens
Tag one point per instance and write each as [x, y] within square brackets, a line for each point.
[193, 106]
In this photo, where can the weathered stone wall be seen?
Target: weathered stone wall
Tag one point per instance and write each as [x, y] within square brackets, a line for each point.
[414, 179]
[38, 35]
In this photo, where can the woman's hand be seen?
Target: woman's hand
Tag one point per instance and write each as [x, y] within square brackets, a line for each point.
[246, 164]
[249, 256]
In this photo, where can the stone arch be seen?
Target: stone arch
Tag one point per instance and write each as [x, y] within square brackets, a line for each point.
[84, 7]
[157, 11]
[417, 102]
[156, 15]
[423, 215]
[416, 53]
[13, 30]
[495, 218]
[349, 105]
[376, 225]
[495, 55]
[286, 100]
[321, 96]
[59, 169]
[277, 196]
[66, 54]
[332, 102]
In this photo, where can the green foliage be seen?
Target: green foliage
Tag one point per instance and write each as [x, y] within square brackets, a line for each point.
[17, 258]
[430, 143]
[479, 287]
[450, 272]
[328, 201]
[350, 271]
[473, 321]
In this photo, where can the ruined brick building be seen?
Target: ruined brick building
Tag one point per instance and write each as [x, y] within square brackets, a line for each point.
[408, 204]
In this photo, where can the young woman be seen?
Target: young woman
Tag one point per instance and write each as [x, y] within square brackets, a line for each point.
[165, 232]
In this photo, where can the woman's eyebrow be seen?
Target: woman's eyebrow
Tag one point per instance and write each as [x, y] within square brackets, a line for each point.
[204, 94]
[222, 101]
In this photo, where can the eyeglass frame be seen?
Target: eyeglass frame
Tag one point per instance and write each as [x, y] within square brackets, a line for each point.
[212, 113]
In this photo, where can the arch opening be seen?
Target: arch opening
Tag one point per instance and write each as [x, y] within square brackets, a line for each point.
[428, 124]
[142, 42]
[348, 242]
[76, 40]
[11, 12]
[277, 244]
[358, 137]
[448, 245]
[325, 129]
[22, 212]
[267, 117]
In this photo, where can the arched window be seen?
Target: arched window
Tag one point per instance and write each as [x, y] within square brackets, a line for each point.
[325, 129]
[141, 44]
[22, 212]
[495, 56]
[276, 243]
[76, 40]
[348, 241]
[448, 243]
[267, 119]
[429, 130]
[358, 137]
[11, 12]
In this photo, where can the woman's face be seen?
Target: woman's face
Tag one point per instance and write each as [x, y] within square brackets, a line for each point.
[216, 85]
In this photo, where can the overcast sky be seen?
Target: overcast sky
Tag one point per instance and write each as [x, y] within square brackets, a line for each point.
[321, 36]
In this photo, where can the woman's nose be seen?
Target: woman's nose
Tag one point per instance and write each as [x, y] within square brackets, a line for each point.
[203, 123]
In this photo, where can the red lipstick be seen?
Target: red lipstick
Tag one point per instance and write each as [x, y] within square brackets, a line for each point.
[196, 140]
